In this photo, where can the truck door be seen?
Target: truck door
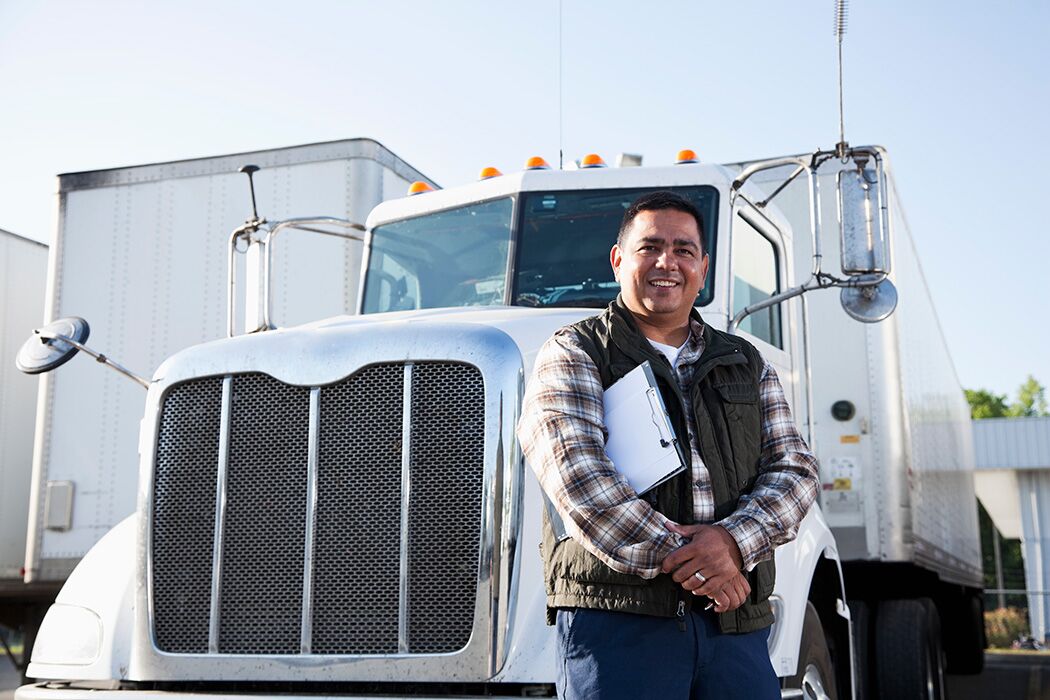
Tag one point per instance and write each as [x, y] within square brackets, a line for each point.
[758, 271]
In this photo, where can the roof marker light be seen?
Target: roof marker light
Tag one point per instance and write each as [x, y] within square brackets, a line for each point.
[537, 163]
[686, 156]
[489, 172]
[419, 187]
[592, 160]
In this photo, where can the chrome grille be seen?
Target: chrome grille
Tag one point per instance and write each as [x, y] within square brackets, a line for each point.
[261, 594]
[358, 539]
[393, 570]
[447, 403]
[184, 515]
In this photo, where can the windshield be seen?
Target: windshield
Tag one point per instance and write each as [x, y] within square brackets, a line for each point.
[459, 257]
[564, 242]
[456, 257]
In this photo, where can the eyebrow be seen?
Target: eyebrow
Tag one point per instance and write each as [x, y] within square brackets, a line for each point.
[678, 241]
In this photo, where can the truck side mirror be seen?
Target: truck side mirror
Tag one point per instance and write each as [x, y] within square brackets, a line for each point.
[869, 296]
[862, 205]
[49, 347]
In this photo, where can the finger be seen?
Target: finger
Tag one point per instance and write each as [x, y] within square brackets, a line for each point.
[684, 530]
[686, 571]
[735, 594]
[679, 557]
[713, 585]
[693, 582]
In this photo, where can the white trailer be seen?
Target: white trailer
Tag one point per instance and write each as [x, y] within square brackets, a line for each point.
[143, 252]
[342, 507]
[23, 274]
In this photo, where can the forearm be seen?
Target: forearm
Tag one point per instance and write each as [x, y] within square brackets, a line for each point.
[561, 435]
[786, 484]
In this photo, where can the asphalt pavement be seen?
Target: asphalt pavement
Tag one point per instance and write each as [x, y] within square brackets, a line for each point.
[1005, 677]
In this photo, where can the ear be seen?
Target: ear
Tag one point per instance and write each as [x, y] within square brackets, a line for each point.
[704, 261]
[615, 258]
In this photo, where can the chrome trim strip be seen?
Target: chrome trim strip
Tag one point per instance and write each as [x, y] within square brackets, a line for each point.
[406, 486]
[220, 514]
[306, 636]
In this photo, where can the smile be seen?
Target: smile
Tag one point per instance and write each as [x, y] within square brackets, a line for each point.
[663, 283]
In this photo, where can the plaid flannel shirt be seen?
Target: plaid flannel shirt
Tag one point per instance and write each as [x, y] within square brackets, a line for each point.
[562, 435]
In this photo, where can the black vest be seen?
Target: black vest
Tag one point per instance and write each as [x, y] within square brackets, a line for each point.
[724, 396]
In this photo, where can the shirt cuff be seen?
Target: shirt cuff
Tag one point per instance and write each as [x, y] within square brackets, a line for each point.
[750, 537]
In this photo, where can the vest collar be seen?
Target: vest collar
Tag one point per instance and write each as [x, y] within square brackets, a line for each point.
[624, 332]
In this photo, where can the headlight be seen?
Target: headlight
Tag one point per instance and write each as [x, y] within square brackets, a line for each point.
[69, 634]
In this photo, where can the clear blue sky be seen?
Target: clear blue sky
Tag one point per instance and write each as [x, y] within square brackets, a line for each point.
[958, 92]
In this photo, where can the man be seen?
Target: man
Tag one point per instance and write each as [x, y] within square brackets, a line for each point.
[629, 586]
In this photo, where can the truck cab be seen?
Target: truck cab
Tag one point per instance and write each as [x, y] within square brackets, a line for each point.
[342, 507]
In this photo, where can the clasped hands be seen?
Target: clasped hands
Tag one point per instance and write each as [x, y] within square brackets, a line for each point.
[711, 551]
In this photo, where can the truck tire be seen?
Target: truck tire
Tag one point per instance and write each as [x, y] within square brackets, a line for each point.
[964, 639]
[909, 661]
[860, 615]
[816, 675]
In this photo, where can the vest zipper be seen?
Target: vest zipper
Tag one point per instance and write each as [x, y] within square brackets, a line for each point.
[681, 615]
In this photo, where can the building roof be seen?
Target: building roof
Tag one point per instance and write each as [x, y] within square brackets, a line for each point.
[1012, 443]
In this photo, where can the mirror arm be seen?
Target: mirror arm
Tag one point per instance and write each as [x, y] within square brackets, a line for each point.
[821, 280]
[99, 357]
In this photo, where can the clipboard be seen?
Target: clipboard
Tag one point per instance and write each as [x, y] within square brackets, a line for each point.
[641, 441]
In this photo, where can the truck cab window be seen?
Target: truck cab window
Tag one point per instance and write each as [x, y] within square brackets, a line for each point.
[756, 277]
[565, 238]
[456, 257]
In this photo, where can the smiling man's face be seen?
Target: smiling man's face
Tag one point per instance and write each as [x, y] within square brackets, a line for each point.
[661, 267]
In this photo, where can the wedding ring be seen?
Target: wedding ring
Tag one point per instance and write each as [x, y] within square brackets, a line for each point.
[700, 577]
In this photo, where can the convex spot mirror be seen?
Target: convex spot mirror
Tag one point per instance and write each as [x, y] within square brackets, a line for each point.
[862, 209]
[44, 352]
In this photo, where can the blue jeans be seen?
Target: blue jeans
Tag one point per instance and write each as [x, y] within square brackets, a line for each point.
[606, 655]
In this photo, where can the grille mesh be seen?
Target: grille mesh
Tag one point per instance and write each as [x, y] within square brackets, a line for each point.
[265, 527]
[357, 543]
[356, 589]
[184, 515]
[447, 465]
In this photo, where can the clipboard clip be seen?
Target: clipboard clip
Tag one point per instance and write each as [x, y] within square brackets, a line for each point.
[656, 415]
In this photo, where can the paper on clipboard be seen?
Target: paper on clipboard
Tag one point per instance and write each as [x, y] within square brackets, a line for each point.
[641, 441]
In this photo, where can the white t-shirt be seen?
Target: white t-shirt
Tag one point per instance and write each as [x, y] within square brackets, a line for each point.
[669, 351]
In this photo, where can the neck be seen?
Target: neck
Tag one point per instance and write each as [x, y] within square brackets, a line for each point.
[673, 334]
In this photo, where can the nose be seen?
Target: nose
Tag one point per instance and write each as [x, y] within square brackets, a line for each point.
[666, 260]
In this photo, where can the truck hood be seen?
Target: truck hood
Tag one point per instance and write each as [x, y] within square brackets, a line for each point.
[315, 353]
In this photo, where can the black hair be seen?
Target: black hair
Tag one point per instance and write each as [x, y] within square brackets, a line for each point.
[655, 201]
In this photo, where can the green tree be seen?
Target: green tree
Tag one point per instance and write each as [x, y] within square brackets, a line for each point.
[1031, 400]
[985, 404]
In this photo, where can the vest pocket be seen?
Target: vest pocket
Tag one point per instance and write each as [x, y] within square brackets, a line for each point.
[763, 576]
[744, 423]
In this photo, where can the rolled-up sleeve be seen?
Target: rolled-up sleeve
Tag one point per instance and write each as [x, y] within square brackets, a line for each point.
[786, 485]
[562, 435]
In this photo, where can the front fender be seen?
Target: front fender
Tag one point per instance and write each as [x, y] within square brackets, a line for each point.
[103, 585]
[796, 563]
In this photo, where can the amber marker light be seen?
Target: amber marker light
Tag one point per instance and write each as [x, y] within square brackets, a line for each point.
[419, 187]
[685, 156]
[592, 160]
[537, 163]
[489, 172]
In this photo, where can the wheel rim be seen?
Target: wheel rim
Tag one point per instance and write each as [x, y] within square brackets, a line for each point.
[813, 684]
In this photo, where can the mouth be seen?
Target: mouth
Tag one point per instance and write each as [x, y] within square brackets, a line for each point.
[663, 284]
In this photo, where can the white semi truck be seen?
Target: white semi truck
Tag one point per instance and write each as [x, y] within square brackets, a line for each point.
[341, 507]
[142, 252]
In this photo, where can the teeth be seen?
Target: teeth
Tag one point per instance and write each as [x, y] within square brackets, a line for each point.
[663, 283]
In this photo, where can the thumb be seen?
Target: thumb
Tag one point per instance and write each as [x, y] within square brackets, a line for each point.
[684, 530]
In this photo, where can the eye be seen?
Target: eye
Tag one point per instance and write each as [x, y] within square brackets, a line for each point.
[685, 251]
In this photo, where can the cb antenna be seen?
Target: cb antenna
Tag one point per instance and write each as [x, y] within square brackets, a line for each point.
[250, 170]
[841, 13]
